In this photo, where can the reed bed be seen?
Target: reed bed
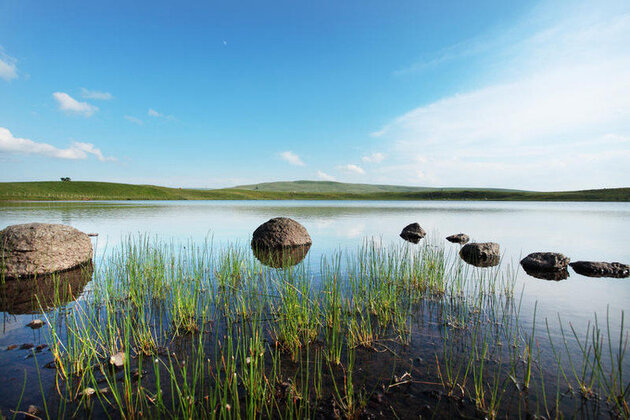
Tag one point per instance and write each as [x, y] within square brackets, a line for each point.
[170, 330]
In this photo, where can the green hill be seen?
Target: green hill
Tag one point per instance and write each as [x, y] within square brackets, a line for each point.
[342, 187]
[310, 190]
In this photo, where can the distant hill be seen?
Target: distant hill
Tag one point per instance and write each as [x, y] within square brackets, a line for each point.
[342, 187]
[298, 190]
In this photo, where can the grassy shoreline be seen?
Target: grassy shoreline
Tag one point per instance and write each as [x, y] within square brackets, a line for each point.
[87, 190]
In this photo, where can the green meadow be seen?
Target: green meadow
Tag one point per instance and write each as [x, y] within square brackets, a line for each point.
[298, 190]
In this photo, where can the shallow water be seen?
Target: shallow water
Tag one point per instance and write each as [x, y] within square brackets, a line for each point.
[582, 231]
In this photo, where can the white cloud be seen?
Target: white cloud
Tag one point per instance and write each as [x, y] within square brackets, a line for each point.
[153, 113]
[70, 105]
[94, 94]
[373, 158]
[134, 120]
[352, 168]
[562, 91]
[292, 158]
[8, 67]
[325, 176]
[77, 150]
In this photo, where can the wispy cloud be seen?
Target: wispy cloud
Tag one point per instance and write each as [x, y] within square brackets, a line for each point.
[292, 158]
[373, 158]
[8, 67]
[355, 169]
[70, 105]
[564, 85]
[134, 120]
[77, 150]
[325, 176]
[94, 94]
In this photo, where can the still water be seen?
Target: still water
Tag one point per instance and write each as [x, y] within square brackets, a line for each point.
[581, 231]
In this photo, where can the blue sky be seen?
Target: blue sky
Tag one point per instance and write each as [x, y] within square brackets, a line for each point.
[516, 94]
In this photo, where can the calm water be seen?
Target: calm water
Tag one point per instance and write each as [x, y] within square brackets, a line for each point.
[582, 231]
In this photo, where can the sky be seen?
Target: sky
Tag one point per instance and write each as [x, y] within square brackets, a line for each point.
[206, 94]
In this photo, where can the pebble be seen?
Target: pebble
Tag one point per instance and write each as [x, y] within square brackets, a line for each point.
[36, 323]
[118, 360]
[12, 346]
[34, 411]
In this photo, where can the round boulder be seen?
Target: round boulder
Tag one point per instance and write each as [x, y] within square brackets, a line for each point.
[280, 232]
[34, 249]
[545, 261]
[413, 233]
[459, 238]
[601, 269]
[482, 254]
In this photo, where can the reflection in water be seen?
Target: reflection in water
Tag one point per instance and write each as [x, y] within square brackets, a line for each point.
[27, 294]
[281, 257]
[483, 261]
[556, 275]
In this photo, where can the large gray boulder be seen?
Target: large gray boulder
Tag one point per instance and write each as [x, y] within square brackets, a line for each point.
[545, 261]
[413, 233]
[35, 249]
[601, 269]
[280, 232]
[481, 254]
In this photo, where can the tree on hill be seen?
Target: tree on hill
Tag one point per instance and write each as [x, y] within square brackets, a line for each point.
[66, 179]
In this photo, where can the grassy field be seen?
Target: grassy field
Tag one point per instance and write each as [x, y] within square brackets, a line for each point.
[82, 190]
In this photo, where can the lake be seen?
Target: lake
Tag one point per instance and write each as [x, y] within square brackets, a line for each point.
[581, 231]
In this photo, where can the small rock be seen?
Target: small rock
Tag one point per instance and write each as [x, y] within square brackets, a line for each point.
[413, 233]
[12, 346]
[41, 347]
[35, 324]
[483, 254]
[26, 346]
[459, 238]
[545, 261]
[88, 392]
[601, 269]
[118, 360]
[34, 411]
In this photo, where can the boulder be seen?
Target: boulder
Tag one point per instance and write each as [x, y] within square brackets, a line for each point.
[459, 238]
[280, 232]
[413, 233]
[545, 261]
[601, 269]
[482, 254]
[34, 249]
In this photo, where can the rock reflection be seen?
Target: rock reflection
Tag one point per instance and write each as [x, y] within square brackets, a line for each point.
[483, 261]
[28, 295]
[281, 256]
[556, 275]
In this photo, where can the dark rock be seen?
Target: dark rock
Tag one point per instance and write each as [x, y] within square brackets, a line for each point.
[40, 248]
[413, 233]
[556, 275]
[281, 256]
[545, 261]
[26, 346]
[459, 238]
[482, 254]
[280, 232]
[601, 269]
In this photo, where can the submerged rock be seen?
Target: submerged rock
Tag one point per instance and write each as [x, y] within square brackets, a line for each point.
[545, 261]
[459, 238]
[413, 233]
[33, 412]
[35, 324]
[281, 256]
[41, 248]
[117, 360]
[556, 275]
[601, 269]
[481, 254]
[280, 232]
